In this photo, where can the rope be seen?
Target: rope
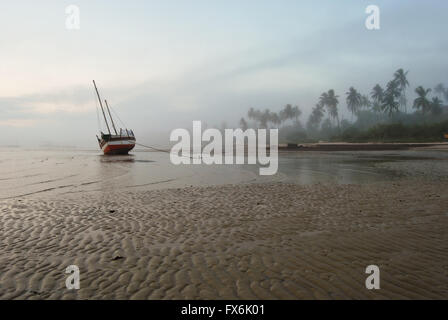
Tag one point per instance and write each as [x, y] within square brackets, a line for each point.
[160, 150]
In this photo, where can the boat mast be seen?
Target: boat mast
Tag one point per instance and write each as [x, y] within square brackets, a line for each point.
[101, 105]
[112, 120]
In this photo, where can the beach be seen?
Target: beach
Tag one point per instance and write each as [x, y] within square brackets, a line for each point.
[224, 154]
[269, 240]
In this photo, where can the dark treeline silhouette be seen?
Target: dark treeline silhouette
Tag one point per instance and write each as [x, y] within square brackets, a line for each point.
[381, 115]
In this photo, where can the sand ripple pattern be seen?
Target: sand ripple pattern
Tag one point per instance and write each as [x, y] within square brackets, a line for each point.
[260, 241]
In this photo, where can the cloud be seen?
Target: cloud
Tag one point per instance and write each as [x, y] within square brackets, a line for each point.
[17, 123]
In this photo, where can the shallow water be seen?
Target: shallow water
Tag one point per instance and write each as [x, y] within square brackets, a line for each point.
[31, 173]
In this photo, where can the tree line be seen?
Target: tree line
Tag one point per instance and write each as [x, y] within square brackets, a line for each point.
[389, 100]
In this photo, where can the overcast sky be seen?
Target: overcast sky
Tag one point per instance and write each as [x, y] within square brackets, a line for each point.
[162, 64]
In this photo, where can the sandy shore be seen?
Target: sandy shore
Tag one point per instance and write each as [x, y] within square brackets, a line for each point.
[259, 241]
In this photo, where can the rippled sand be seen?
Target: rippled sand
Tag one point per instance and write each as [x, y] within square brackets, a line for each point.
[257, 241]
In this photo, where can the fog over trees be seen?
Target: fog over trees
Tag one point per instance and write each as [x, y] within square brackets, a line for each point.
[382, 114]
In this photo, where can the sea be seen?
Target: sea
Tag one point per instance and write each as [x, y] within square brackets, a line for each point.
[27, 172]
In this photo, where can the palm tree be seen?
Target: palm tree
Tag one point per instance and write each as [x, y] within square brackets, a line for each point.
[333, 105]
[422, 102]
[251, 114]
[265, 117]
[389, 103]
[400, 78]
[243, 124]
[330, 100]
[315, 117]
[290, 112]
[323, 99]
[296, 113]
[377, 96]
[436, 106]
[353, 101]
[254, 114]
[283, 113]
[286, 113]
[274, 118]
[365, 101]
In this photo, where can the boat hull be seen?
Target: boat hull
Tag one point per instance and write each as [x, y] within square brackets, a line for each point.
[117, 145]
[112, 149]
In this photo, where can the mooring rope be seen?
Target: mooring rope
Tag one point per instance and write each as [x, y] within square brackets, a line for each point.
[161, 150]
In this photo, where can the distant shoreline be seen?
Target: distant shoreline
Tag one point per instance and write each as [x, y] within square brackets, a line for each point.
[320, 146]
[369, 146]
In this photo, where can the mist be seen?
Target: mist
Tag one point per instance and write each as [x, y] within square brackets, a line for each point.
[161, 66]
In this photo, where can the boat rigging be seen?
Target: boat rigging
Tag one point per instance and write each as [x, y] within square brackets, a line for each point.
[122, 141]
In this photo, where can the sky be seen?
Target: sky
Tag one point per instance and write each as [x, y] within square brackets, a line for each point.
[163, 64]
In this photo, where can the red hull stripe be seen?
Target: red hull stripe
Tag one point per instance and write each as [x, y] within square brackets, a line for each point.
[120, 148]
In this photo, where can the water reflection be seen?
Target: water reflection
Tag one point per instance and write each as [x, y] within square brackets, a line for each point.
[37, 172]
[117, 158]
[335, 168]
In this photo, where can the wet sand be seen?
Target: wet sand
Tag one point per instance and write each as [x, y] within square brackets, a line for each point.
[254, 241]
